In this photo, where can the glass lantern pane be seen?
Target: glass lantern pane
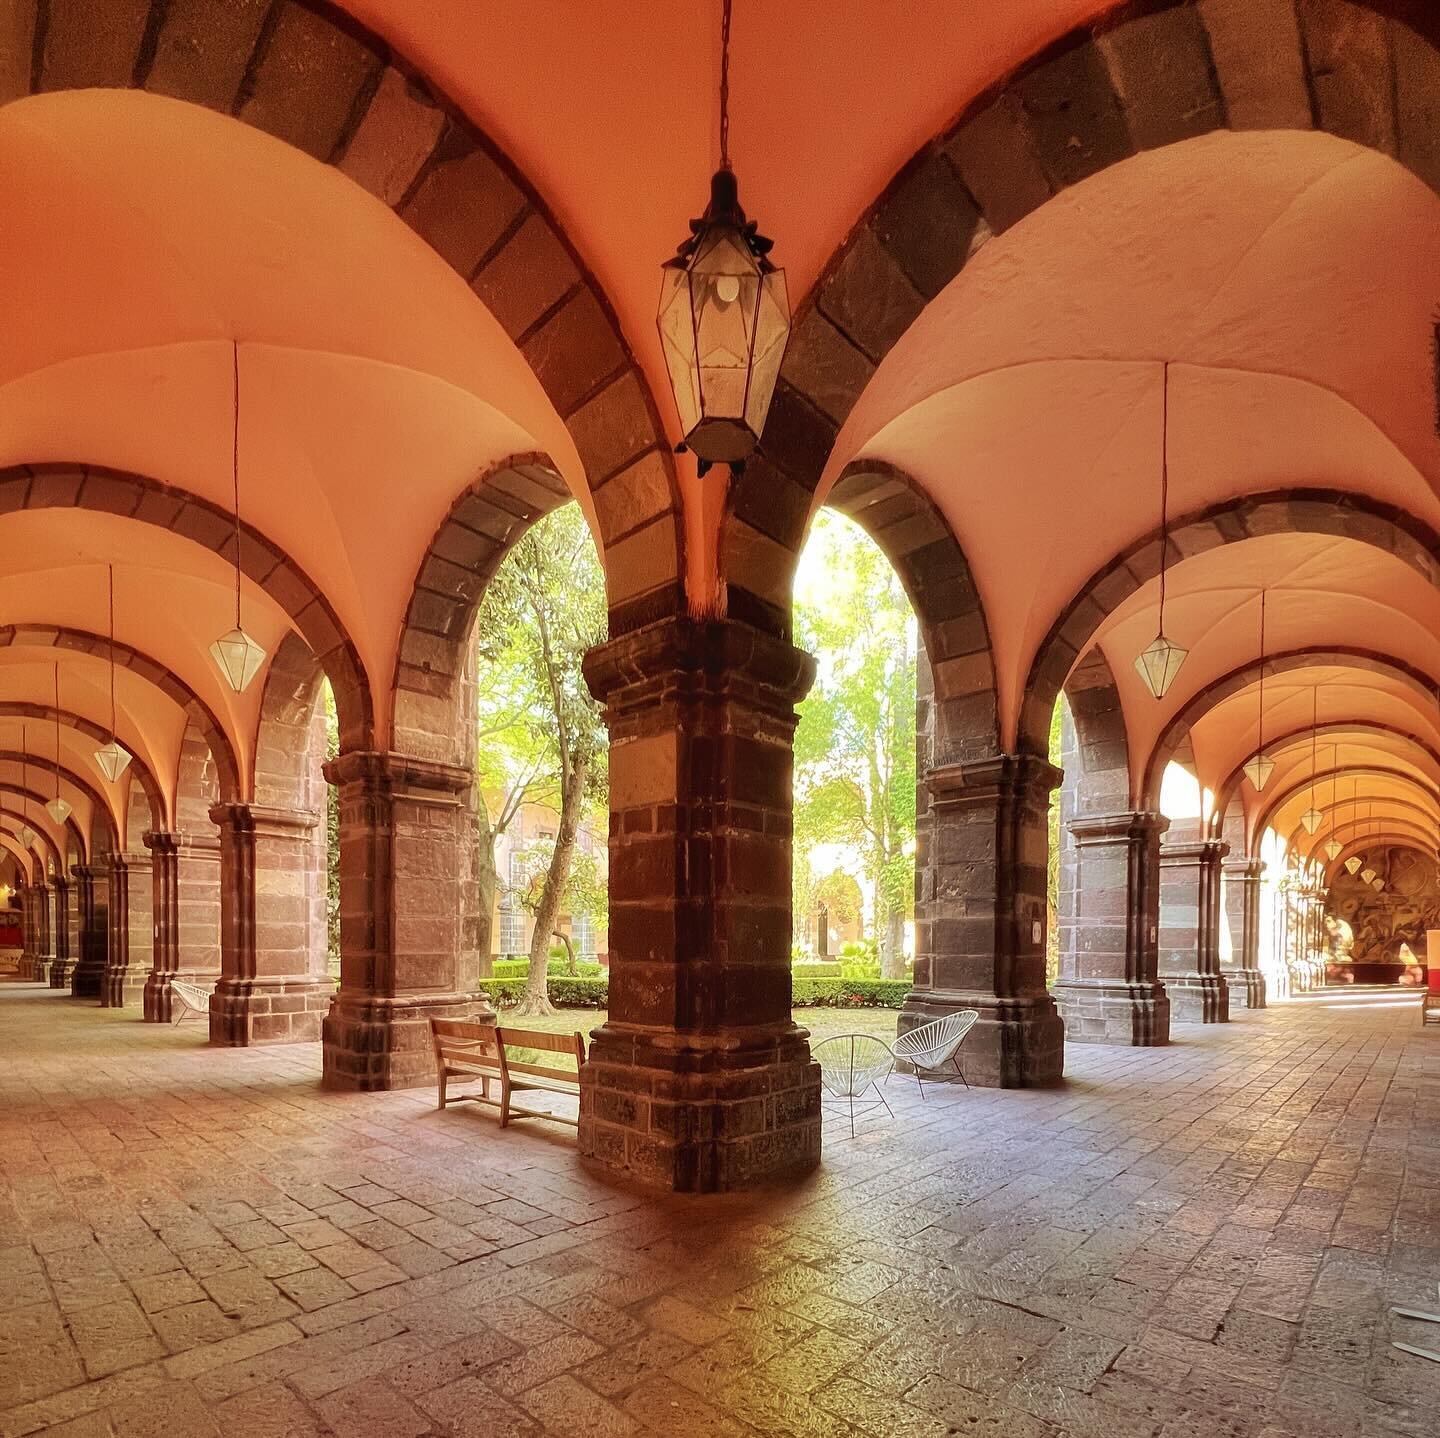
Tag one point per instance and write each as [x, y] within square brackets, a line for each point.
[113, 760]
[1259, 769]
[1159, 663]
[1378, 885]
[772, 334]
[1312, 819]
[238, 658]
[1368, 875]
[58, 810]
[677, 339]
[1352, 864]
[1332, 849]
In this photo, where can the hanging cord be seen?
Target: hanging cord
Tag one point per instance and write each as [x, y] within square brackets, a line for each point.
[112, 652]
[235, 465]
[1314, 740]
[725, 85]
[1262, 673]
[57, 731]
[1164, 485]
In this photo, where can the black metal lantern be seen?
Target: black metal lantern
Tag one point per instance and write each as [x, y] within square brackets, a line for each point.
[724, 316]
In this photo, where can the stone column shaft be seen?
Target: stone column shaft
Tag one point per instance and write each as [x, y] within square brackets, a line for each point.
[1108, 990]
[93, 905]
[185, 907]
[407, 835]
[269, 990]
[1242, 908]
[63, 964]
[700, 1080]
[1190, 931]
[132, 938]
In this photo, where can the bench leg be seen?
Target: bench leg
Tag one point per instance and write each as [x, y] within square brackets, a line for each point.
[504, 1104]
[441, 1104]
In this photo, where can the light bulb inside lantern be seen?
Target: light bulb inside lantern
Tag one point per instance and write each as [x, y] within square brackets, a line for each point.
[727, 289]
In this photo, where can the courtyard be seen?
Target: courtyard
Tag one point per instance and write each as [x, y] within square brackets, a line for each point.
[1201, 1239]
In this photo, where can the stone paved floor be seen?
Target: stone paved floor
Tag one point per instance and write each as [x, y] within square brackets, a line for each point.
[1201, 1240]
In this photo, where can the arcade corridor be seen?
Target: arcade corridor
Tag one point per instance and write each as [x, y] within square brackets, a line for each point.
[1194, 1240]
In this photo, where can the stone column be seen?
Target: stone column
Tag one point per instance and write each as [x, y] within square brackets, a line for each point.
[132, 937]
[269, 990]
[93, 904]
[699, 1080]
[1242, 909]
[28, 963]
[45, 938]
[407, 938]
[980, 865]
[1108, 991]
[1190, 931]
[63, 964]
[185, 905]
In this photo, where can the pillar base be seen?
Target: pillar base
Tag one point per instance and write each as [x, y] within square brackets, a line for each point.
[1198, 998]
[60, 972]
[278, 1010]
[122, 989]
[87, 980]
[1247, 988]
[700, 1114]
[1114, 1011]
[1016, 1043]
[373, 1042]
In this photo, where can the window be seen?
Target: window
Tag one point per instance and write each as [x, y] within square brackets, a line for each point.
[512, 929]
[582, 935]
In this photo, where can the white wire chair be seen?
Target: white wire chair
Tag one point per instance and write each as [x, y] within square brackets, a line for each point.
[851, 1065]
[929, 1048]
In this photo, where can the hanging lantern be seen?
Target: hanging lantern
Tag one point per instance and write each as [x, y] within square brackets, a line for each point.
[1159, 662]
[1332, 849]
[1367, 876]
[236, 654]
[1378, 885]
[57, 808]
[1352, 864]
[27, 836]
[1259, 769]
[1312, 820]
[724, 315]
[112, 758]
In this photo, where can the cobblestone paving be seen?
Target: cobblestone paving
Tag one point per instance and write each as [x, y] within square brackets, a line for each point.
[1194, 1241]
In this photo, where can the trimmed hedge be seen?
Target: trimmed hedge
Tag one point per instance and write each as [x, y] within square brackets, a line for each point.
[851, 993]
[835, 993]
[520, 968]
[565, 992]
[816, 969]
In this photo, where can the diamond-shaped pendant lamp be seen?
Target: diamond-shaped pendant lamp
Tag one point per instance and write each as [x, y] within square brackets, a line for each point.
[1367, 876]
[1352, 864]
[58, 810]
[1159, 663]
[1312, 820]
[1378, 885]
[113, 760]
[1259, 769]
[27, 836]
[1332, 849]
[238, 657]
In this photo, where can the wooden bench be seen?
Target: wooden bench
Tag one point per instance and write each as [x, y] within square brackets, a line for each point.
[466, 1050]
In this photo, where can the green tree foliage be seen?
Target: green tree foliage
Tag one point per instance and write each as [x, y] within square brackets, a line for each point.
[855, 745]
[540, 737]
[584, 894]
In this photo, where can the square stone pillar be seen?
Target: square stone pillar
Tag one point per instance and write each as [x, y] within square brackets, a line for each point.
[132, 939]
[185, 910]
[699, 1080]
[29, 958]
[63, 964]
[1190, 931]
[1242, 880]
[269, 990]
[92, 886]
[45, 938]
[1108, 991]
[407, 950]
[980, 911]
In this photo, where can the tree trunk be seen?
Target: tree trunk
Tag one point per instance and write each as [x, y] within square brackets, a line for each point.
[487, 881]
[569, 953]
[535, 999]
[892, 945]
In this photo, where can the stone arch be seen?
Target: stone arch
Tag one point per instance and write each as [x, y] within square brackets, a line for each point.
[1176, 731]
[1228, 792]
[24, 859]
[1265, 817]
[131, 496]
[1334, 513]
[312, 76]
[963, 721]
[126, 657]
[1140, 76]
[17, 791]
[483, 525]
[78, 781]
[92, 730]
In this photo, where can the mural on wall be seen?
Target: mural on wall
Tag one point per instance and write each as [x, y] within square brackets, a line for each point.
[1386, 926]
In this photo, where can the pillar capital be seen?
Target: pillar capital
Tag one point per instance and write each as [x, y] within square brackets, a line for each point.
[1194, 851]
[263, 820]
[1243, 867]
[386, 772]
[1128, 826]
[1023, 777]
[163, 841]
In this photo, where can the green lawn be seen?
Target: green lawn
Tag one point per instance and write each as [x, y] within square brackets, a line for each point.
[822, 1022]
